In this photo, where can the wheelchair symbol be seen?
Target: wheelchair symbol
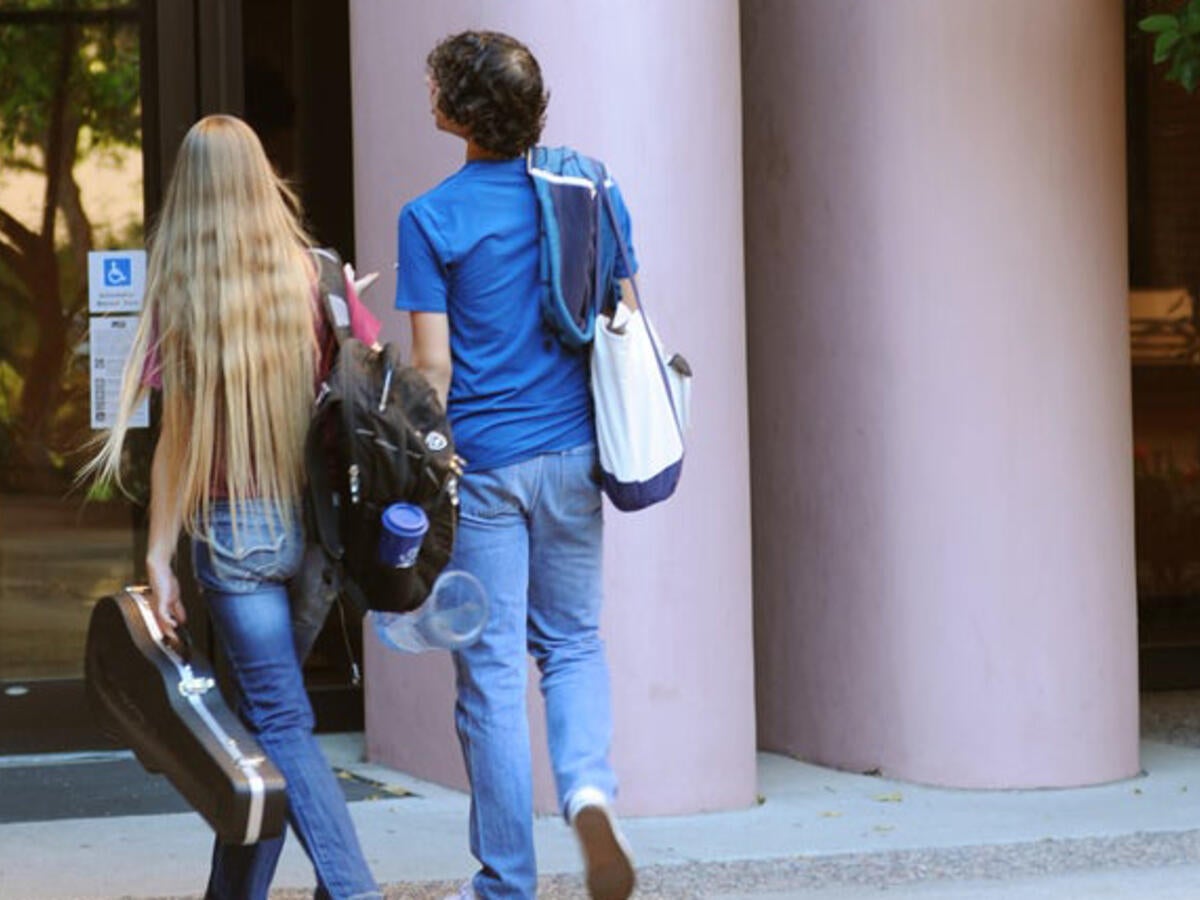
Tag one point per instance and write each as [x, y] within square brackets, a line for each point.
[118, 272]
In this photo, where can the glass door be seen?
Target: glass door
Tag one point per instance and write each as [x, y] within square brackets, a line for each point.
[296, 86]
[71, 181]
[95, 96]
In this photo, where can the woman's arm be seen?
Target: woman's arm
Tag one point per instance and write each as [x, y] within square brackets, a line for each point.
[431, 350]
[166, 520]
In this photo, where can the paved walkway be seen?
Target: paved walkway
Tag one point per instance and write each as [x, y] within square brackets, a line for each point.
[1170, 883]
[816, 834]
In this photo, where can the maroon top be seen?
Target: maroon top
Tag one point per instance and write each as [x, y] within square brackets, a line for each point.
[363, 325]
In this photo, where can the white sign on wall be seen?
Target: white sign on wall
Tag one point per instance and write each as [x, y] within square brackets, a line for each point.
[116, 280]
[110, 339]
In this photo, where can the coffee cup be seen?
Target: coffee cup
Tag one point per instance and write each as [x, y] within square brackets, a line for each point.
[404, 527]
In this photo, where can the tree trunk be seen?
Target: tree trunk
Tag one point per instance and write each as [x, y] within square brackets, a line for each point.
[70, 202]
[43, 381]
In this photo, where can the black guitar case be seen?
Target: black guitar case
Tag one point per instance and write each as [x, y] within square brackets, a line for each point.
[163, 702]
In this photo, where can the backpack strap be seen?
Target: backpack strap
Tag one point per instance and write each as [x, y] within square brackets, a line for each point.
[321, 511]
[331, 285]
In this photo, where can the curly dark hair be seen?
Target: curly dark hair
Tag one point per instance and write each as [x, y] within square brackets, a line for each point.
[490, 84]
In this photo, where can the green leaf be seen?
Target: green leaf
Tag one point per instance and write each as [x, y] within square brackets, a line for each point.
[1163, 44]
[1175, 70]
[1159, 23]
[1189, 74]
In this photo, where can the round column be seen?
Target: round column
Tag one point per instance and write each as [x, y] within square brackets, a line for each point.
[654, 90]
[939, 373]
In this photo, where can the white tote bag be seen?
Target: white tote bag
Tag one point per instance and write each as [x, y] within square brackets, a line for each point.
[641, 400]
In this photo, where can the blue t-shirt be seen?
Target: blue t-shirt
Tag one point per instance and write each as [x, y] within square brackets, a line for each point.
[469, 248]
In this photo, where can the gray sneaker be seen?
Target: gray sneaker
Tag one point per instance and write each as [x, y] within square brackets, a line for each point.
[607, 861]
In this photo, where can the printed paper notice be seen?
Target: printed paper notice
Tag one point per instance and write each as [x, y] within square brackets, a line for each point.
[110, 340]
[116, 280]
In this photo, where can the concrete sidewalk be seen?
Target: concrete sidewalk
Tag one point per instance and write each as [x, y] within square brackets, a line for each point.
[815, 833]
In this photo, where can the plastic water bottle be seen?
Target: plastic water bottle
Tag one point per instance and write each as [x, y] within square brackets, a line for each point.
[452, 617]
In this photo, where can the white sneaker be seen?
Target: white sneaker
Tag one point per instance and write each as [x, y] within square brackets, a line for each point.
[607, 860]
[464, 892]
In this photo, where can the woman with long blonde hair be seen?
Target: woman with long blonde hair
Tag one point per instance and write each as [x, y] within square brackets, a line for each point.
[230, 332]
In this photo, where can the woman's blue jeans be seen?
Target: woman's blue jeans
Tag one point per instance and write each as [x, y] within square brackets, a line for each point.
[243, 575]
[532, 533]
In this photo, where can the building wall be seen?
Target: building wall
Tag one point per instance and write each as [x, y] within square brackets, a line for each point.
[939, 373]
[654, 89]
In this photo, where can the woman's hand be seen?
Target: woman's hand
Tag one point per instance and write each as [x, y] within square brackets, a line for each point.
[162, 537]
[360, 284]
[165, 601]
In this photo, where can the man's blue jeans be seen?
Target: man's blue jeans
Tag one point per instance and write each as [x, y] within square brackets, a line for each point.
[244, 576]
[532, 533]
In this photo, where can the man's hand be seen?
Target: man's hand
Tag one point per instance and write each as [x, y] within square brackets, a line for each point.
[628, 294]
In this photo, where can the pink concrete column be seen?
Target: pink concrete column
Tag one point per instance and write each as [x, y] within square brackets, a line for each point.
[936, 257]
[654, 90]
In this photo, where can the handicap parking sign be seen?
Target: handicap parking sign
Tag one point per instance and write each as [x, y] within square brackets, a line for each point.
[118, 271]
[116, 280]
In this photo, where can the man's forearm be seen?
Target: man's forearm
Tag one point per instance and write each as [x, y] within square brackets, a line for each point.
[431, 350]
[439, 377]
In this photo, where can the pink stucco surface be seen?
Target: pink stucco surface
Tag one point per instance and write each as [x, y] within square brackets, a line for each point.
[939, 371]
[654, 89]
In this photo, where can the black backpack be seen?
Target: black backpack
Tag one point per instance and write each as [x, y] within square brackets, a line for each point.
[378, 435]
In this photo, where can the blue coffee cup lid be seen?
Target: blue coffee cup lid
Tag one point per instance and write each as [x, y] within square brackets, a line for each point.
[405, 518]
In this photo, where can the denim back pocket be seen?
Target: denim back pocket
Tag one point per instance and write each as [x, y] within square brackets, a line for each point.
[260, 550]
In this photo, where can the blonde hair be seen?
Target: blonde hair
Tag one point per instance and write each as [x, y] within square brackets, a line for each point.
[229, 313]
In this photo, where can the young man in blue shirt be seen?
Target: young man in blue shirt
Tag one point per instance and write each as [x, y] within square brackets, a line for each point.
[530, 511]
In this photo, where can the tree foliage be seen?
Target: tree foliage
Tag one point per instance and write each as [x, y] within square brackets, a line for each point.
[103, 85]
[69, 85]
[1177, 42]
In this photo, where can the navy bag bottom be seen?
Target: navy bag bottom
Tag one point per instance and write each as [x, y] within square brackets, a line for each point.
[630, 496]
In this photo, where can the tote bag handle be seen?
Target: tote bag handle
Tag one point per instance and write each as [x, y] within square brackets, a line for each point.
[606, 199]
